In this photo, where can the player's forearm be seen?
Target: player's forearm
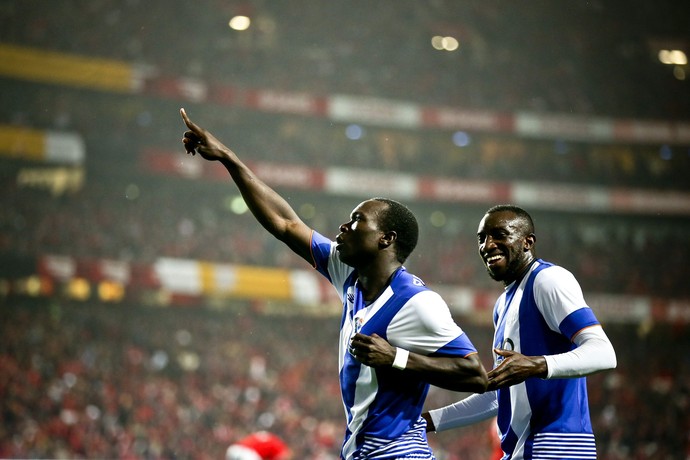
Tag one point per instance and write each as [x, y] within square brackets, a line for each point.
[454, 374]
[473, 409]
[270, 209]
[594, 353]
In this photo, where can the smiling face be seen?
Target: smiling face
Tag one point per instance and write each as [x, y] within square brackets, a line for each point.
[360, 239]
[505, 245]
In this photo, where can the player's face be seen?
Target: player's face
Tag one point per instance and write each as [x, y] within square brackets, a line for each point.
[504, 247]
[359, 239]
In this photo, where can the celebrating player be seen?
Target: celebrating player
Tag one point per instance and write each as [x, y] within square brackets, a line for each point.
[382, 395]
[546, 341]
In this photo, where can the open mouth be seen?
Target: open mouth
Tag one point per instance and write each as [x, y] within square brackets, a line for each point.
[493, 259]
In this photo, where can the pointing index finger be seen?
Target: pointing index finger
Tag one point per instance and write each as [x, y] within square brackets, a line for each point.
[190, 124]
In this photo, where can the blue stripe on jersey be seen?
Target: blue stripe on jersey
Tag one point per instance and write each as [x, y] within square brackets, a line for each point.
[383, 409]
[460, 346]
[558, 406]
[576, 321]
[320, 250]
[405, 395]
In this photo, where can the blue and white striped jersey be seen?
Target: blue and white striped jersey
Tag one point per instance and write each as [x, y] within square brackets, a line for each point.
[383, 410]
[540, 315]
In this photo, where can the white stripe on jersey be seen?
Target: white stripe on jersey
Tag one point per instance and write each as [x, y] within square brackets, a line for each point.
[404, 447]
[564, 446]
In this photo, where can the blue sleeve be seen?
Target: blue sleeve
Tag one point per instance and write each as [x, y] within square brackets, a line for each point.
[460, 346]
[321, 252]
[576, 321]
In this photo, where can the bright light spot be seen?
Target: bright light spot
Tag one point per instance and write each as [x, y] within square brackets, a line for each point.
[240, 23]
[33, 286]
[307, 211]
[450, 44]
[236, 204]
[437, 42]
[110, 291]
[188, 361]
[354, 132]
[79, 288]
[461, 139]
[444, 43]
[673, 57]
[678, 57]
[438, 219]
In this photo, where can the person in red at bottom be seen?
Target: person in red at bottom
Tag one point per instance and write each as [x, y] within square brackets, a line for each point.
[261, 445]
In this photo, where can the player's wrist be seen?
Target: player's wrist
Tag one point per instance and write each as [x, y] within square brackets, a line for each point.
[401, 357]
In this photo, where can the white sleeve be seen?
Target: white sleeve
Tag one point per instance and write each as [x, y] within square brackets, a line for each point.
[594, 353]
[475, 408]
[423, 325]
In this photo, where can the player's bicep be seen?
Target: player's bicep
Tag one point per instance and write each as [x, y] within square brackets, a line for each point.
[558, 295]
[297, 236]
[424, 325]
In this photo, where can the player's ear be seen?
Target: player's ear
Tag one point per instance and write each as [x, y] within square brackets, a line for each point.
[530, 239]
[388, 239]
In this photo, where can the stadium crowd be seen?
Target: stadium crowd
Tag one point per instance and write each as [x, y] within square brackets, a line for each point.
[182, 219]
[333, 49]
[93, 381]
[83, 380]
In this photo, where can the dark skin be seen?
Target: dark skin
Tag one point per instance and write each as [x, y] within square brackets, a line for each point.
[360, 244]
[375, 351]
[506, 246]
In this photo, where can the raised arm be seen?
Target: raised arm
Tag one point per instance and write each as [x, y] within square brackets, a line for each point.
[269, 208]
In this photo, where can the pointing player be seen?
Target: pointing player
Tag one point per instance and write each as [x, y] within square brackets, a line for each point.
[383, 396]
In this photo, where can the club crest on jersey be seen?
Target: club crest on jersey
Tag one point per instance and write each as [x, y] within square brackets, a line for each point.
[508, 345]
[358, 323]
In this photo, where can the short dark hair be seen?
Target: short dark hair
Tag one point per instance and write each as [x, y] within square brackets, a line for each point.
[397, 217]
[522, 215]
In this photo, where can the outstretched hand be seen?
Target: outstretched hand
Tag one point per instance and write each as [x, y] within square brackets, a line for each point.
[198, 140]
[515, 368]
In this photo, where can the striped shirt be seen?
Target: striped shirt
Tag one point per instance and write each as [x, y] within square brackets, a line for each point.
[383, 410]
[539, 315]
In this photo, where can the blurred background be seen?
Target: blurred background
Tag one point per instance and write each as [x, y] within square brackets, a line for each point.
[146, 315]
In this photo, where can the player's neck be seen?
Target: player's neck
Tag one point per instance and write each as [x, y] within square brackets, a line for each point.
[373, 284]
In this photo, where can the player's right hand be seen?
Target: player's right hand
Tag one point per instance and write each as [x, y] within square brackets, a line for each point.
[198, 140]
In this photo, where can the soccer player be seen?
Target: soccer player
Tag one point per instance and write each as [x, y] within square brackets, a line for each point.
[383, 397]
[546, 340]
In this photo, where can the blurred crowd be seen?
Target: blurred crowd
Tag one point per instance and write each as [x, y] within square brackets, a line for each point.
[88, 381]
[126, 381]
[587, 58]
[141, 221]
